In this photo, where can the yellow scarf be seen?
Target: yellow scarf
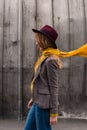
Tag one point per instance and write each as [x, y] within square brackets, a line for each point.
[82, 51]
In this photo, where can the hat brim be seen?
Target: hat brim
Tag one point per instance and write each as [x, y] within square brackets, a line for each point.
[39, 31]
[35, 30]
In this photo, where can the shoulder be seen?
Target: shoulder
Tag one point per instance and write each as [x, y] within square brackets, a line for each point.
[52, 61]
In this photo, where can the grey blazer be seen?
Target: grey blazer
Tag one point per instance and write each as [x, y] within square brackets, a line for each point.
[45, 90]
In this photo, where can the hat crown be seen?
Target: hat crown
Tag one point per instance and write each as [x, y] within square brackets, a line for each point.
[50, 32]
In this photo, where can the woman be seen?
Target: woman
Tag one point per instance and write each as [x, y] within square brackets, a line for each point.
[44, 103]
[44, 86]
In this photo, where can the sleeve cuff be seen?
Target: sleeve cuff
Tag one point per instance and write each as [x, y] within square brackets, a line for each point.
[53, 115]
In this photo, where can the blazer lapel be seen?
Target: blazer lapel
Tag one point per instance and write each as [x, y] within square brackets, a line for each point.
[38, 70]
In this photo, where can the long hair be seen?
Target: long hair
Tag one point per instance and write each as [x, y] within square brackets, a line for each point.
[43, 43]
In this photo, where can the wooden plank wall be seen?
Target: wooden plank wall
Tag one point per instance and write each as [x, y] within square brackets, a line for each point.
[18, 51]
[76, 9]
[61, 23]
[1, 52]
[29, 49]
[84, 90]
[9, 58]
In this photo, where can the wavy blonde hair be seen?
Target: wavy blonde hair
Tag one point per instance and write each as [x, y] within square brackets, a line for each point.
[43, 43]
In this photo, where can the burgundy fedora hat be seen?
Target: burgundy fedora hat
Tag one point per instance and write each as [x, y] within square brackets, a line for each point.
[50, 32]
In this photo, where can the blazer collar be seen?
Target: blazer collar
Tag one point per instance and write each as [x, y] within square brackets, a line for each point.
[38, 70]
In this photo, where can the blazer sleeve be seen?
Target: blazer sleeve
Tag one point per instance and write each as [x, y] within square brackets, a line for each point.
[52, 73]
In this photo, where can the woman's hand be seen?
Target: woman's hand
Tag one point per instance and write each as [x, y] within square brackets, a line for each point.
[29, 105]
[53, 120]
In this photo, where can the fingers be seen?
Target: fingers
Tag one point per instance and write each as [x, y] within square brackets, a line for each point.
[29, 105]
[53, 120]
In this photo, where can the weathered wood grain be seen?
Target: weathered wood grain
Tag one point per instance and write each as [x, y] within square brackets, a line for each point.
[10, 94]
[84, 89]
[29, 14]
[6, 24]
[1, 52]
[29, 47]
[20, 62]
[10, 59]
[77, 39]
[44, 13]
[61, 23]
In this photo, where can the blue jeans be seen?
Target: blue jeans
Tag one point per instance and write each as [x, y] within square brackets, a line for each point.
[37, 119]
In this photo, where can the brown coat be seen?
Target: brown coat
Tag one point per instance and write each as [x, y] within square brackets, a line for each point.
[45, 91]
